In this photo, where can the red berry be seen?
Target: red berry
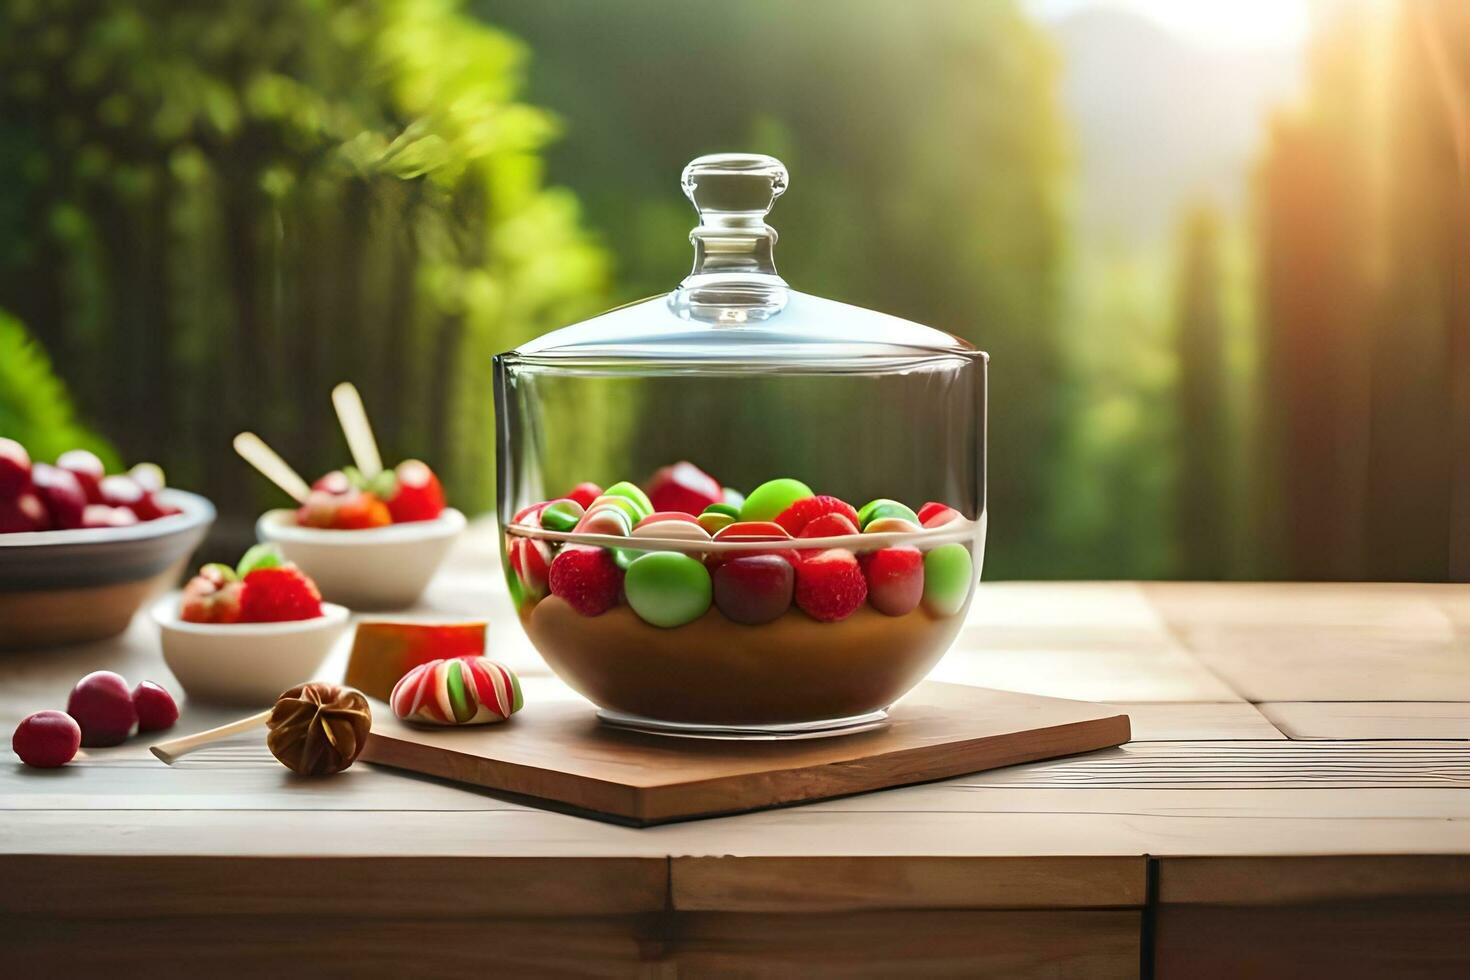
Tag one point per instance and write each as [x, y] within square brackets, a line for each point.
[895, 579]
[830, 585]
[23, 513]
[155, 707]
[62, 494]
[826, 526]
[587, 578]
[584, 494]
[102, 704]
[796, 517]
[47, 739]
[419, 496]
[279, 595]
[15, 469]
[88, 470]
[335, 483]
[684, 487]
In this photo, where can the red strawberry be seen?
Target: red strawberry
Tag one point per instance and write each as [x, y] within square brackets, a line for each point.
[587, 578]
[830, 585]
[796, 517]
[419, 496]
[278, 595]
[212, 596]
[584, 494]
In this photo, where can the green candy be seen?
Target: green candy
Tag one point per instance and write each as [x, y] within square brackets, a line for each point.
[625, 557]
[629, 508]
[629, 491]
[772, 497]
[730, 510]
[668, 589]
[454, 682]
[561, 515]
[883, 507]
[947, 578]
[734, 498]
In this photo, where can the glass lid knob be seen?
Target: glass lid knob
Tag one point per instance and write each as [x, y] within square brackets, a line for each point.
[734, 278]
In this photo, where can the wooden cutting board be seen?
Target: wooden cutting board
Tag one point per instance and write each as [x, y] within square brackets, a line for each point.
[556, 754]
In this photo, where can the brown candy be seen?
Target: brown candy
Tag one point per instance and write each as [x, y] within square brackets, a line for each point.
[318, 729]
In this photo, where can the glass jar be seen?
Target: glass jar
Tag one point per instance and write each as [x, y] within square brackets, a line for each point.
[786, 512]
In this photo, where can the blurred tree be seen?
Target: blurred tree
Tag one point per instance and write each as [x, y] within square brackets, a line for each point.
[213, 213]
[928, 178]
[1201, 504]
[34, 406]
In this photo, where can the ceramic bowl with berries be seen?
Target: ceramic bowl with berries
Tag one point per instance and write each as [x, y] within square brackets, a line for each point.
[243, 635]
[370, 543]
[81, 550]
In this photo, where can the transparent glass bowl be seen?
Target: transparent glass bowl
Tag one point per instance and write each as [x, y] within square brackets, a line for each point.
[751, 381]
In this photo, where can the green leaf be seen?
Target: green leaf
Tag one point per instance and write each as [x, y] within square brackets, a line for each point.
[260, 556]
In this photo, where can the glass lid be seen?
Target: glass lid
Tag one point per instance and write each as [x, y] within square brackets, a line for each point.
[734, 310]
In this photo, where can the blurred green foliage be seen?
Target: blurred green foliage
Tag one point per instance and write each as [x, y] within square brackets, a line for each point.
[34, 406]
[212, 213]
[928, 177]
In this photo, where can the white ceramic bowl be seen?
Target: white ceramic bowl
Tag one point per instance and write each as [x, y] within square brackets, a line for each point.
[379, 568]
[247, 664]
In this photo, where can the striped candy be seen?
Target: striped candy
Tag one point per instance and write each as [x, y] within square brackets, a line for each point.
[460, 691]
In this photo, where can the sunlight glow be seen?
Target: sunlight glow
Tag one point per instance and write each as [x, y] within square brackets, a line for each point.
[1214, 23]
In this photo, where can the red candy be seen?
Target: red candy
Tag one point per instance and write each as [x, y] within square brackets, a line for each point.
[753, 531]
[826, 526]
[62, 494]
[47, 739]
[753, 589]
[278, 595]
[935, 514]
[584, 494]
[684, 487]
[796, 517]
[155, 707]
[587, 578]
[103, 707]
[895, 579]
[15, 469]
[830, 585]
[419, 496]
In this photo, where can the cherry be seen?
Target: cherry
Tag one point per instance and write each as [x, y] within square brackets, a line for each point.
[102, 704]
[46, 739]
[62, 494]
[155, 707]
[15, 469]
[88, 470]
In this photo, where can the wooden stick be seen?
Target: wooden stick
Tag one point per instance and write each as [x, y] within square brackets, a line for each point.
[171, 750]
[275, 469]
[353, 417]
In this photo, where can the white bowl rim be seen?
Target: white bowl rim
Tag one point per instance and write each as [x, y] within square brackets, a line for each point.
[194, 512]
[280, 525]
[165, 612]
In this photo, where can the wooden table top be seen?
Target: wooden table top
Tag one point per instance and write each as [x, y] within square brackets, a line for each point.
[1286, 737]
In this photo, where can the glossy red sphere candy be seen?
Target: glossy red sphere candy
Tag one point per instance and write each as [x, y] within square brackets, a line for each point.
[754, 589]
[103, 707]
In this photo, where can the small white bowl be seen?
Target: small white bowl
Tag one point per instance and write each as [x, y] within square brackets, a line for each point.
[244, 663]
[378, 568]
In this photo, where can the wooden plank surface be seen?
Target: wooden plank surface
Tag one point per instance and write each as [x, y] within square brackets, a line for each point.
[1370, 719]
[1301, 760]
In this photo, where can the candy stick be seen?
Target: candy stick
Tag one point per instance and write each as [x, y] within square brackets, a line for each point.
[170, 751]
[275, 469]
[357, 430]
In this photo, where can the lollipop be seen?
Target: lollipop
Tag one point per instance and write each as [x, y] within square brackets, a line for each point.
[460, 691]
[315, 729]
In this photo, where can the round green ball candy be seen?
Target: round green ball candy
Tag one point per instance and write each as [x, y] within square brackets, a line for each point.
[632, 493]
[668, 589]
[772, 497]
[730, 510]
[883, 507]
[947, 578]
